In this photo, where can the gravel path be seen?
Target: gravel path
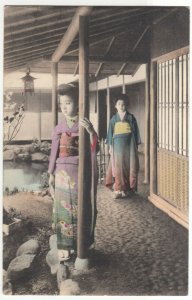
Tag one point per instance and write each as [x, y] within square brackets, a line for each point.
[139, 250]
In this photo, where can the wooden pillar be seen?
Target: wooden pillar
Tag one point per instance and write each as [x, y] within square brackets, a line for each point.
[108, 103]
[54, 94]
[123, 86]
[147, 125]
[39, 119]
[153, 129]
[84, 139]
[98, 107]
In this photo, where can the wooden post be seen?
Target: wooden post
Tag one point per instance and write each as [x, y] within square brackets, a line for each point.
[108, 114]
[84, 141]
[108, 103]
[97, 95]
[153, 129]
[39, 119]
[54, 94]
[123, 86]
[147, 124]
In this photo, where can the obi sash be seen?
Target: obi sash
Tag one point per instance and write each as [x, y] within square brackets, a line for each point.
[68, 145]
[122, 128]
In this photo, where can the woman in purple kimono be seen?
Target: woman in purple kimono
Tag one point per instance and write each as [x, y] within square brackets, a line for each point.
[123, 138]
[63, 170]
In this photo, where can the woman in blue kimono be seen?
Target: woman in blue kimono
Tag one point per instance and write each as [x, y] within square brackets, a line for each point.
[123, 139]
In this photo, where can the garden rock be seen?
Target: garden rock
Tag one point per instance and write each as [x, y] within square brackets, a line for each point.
[39, 157]
[9, 155]
[69, 287]
[30, 247]
[20, 267]
[7, 286]
[62, 274]
[53, 241]
[52, 260]
[24, 156]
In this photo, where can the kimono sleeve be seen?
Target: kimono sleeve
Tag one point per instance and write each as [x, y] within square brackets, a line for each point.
[109, 138]
[54, 150]
[136, 131]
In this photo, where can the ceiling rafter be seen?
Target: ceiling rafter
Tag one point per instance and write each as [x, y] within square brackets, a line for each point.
[133, 49]
[71, 33]
[107, 52]
[26, 21]
[76, 69]
[158, 20]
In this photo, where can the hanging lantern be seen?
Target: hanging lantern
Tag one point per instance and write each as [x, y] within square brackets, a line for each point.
[28, 82]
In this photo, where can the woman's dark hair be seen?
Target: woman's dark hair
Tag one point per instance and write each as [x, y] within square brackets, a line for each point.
[70, 89]
[123, 97]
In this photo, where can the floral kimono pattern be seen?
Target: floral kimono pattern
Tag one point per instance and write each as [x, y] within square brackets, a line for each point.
[64, 164]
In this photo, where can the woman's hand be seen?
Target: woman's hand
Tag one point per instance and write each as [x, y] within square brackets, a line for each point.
[52, 185]
[87, 125]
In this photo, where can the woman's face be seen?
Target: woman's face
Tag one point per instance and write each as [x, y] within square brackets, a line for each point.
[68, 106]
[120, 106]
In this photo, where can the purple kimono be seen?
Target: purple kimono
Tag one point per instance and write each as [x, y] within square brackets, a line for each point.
[64, 164]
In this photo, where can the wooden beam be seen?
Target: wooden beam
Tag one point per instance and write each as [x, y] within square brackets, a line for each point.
[50, 33]
[84, 140]
[54, 94]
[119, 20]
[170, 210]
[71, 33]
[67, 59]
[140, 38]
[133, 49]
[107, 52]
[27, 58]
[98, 70]
[76, 69]
[25, 30]
[14, 50]
[34, 37]
[29, 53]
[122, 69]
[18, 11]
[38, 17]
[158, 20]
[103, 35]
[10, 67]
[106, 59]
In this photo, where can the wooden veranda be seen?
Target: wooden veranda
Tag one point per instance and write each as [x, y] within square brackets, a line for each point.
[96, 42]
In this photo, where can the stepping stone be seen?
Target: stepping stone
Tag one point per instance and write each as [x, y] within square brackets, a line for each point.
[30, 247]
[62, 274]
[20, 267]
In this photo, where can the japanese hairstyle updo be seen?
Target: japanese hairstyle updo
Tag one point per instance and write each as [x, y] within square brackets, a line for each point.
[121, 96]
[70, 89]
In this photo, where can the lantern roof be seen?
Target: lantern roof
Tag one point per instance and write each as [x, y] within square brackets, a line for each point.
[28, 77]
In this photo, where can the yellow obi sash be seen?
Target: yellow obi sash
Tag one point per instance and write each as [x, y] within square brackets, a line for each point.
[122, 127]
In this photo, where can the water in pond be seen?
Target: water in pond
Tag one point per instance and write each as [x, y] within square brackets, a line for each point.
[23, 176]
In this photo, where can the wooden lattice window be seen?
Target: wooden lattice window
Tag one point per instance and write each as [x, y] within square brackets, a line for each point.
[173, 104]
